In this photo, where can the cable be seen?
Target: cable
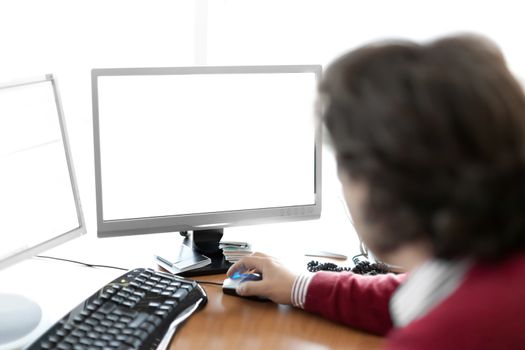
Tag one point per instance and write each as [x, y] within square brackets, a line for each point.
[109, 267]
[208, 282]
[362, 246]
[81, 263]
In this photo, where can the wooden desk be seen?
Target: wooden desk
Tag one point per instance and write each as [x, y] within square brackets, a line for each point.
[229, 322]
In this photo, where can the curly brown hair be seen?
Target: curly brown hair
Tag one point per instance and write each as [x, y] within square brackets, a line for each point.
[437, 132]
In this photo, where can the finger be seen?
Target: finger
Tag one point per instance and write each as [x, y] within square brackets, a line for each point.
[247, 263]
[251, 288]
[235, 267]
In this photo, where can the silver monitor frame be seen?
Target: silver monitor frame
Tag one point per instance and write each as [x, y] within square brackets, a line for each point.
[63, 236]
[200, 221]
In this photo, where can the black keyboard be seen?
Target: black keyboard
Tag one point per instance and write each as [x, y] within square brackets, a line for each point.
[139, 310]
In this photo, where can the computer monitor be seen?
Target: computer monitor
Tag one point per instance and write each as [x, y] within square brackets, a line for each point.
[39, 199]
[203, 148]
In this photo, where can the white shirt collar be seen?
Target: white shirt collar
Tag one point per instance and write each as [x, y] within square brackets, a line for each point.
[424, 288]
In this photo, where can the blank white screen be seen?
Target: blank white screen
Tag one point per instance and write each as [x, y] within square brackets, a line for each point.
[36, 193]
[200, 143]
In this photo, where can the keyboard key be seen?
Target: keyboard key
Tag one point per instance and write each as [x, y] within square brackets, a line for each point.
[78, 333]
[61, 332]
[125, 319]
[117, 299]
[148, 327]
[100, 343]
[54, 338]
[140, 279]
[135, 284]
[106, 323]
[141, 334]
[46, 345]
[123, 294]
[112, 317]
[98, 316]
[98, 302]
[134, 299]
[100, 329]
[86, 341]
[167, 308]
[139, 294]
[181, 293]
[92, 322]
[107, 337]
[138, 320]
[161, 313]
[124, 312]
[129, 304]
[71, 339]
[114, 343]
[64, 346]
[113, 331]
[107, 307]
[78, 318]
[84, 327]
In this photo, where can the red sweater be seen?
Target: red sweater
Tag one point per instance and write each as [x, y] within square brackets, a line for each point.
[486, 311]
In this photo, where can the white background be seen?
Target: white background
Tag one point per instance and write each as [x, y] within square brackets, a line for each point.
[69, 38]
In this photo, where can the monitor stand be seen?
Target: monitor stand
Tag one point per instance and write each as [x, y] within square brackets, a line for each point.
[19, 316]
[206, 242]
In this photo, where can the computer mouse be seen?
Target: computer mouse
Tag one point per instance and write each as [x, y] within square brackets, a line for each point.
[230, 284]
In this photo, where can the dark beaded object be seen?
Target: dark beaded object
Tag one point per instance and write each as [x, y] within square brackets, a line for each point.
[361, 268]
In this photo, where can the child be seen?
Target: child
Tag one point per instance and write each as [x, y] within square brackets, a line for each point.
[430, 147]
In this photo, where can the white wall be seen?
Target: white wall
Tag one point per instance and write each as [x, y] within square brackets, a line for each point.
[315, 31]
[68, 38]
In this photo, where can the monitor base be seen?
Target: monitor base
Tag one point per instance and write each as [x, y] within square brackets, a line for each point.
[206, 242]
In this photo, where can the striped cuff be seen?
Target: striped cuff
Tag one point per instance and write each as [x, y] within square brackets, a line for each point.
[299, 290]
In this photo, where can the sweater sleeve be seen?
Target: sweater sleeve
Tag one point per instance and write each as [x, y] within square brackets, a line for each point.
[355, 300]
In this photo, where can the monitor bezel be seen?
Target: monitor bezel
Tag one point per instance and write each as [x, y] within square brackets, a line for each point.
[201, 221]
[81, 229]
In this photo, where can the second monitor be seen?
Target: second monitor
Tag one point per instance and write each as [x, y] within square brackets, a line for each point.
[203, 148]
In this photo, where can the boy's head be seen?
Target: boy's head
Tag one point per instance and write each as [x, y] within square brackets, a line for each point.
[435, 135]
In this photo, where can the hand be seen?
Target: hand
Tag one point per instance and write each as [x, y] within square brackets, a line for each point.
[276, 283]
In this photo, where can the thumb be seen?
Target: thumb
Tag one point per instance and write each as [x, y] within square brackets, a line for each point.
[250, 288]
